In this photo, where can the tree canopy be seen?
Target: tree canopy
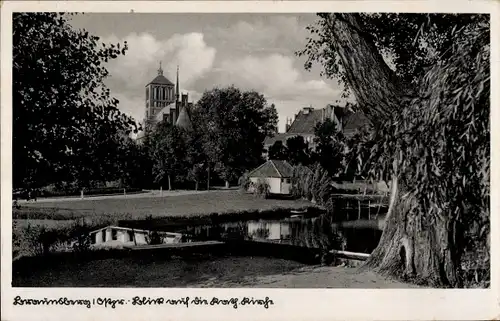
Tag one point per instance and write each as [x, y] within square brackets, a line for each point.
[235, 124]
[278, 151]
[409, 42]
[61, 108]
[431, 128]
[330, 147]
[168, 153]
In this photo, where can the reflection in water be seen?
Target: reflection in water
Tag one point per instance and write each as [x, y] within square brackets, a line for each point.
[319, 232]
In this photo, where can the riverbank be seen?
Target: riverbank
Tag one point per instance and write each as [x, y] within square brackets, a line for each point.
[206, 271]
[314, 277]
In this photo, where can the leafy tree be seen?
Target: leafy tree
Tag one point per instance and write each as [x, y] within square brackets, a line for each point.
[298, 151]
[61, 107]
[278, 151]
[168, 152]
[330, 147]
[358, 153]
[234, 124]
[195, 157]
[134, 164]
[411, 42]
[431, 136]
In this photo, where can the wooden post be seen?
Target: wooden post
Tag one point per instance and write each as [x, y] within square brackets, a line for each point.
[133, 235]
[161, 190]
[81, 195]
[124, 193]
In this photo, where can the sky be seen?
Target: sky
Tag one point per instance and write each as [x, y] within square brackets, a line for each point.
[249, 51]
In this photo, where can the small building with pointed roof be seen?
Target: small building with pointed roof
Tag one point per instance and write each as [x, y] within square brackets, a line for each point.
[276, 173]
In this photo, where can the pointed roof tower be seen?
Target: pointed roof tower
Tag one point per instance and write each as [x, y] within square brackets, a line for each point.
[177, 95]
[160, 79]
[160, 71]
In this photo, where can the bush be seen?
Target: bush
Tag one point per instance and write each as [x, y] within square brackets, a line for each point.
[35, 240]
[312, 184]
[262, 188]
[244, 183]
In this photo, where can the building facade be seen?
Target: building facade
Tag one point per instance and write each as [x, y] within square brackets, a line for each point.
[346, 119]
[164, 103]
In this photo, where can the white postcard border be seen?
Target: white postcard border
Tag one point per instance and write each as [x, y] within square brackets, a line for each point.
[289, 304]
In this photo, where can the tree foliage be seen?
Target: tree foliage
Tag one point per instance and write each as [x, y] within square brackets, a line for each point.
[330, 147]
[234, 124]
[431, 129]
[61, 108]
[168, 153]
[278, 151]
[299, 152]
[409, 42]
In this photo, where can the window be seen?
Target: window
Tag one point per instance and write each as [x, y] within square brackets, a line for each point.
[103, 234]
[130, 236]
[94, 238]
[147, 93]
[114, 235]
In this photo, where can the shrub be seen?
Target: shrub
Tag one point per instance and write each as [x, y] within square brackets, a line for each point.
[37, 239]
[262, 188]
[244, 183]
[312, 184]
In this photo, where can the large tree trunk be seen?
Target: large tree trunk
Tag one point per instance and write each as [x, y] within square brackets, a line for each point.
[409, 245]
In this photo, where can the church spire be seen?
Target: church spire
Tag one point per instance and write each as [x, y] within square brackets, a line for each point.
[177, 95]
[160, 71]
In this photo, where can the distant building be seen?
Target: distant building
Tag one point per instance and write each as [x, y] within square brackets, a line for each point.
[164, 103]
[114, 236]
[305, 120]
[276, 173]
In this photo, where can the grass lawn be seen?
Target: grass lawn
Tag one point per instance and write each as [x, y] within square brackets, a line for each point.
[157, 207]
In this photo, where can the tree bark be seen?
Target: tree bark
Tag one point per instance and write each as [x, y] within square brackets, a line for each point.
[409, 246]
[208, 178]
[169, 183]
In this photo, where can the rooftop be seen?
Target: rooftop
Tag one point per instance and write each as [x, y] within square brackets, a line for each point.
[305, 121]
[160, 80]
[280, 136]
[184, 121]
[273, 168]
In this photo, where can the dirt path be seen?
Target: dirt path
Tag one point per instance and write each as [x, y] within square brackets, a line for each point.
[314, 277]
[146, 194]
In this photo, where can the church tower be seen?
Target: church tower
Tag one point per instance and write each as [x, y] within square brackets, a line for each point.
[165, 103]
[159, 94]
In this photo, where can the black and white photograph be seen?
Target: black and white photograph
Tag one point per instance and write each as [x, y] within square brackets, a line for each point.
[269, 150]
